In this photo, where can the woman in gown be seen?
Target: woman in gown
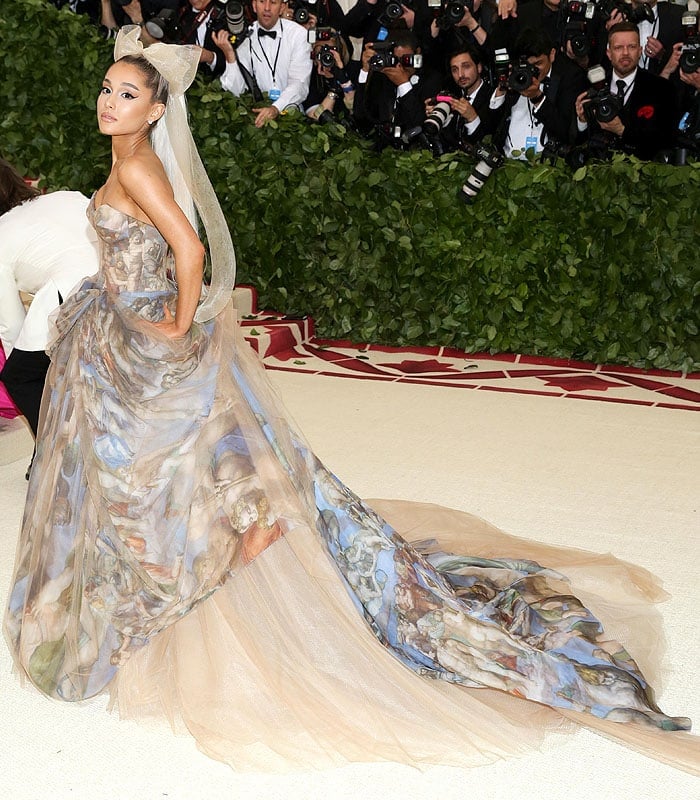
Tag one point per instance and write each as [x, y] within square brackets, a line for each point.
[183, 549]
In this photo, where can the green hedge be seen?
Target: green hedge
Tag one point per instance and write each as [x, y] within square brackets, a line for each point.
[601, 265]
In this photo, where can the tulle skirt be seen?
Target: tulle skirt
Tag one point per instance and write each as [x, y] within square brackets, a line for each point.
[277, 671]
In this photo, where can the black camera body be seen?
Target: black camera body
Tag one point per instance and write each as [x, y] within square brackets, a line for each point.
[452, 12]
[690, 55]
[577, 16]
[521, 77]
[642, 13]
[385, 57]
[501, 68]
[325, 57]
[604, 106]
[392, 11]
[164, 25]
[302, 10]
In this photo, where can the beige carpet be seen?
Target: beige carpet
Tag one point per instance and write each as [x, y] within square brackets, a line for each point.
[603, 476]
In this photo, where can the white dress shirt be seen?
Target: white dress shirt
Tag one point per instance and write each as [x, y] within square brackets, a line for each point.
[471, 127]
[629, 84]
[47, 246]
[288, 55]
[647, 29]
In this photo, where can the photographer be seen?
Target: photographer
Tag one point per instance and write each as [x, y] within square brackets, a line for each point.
[176, 22]
[534, 105]
[376, 20]
[199, 21]
[688, 129]
[643, 125]
[331, 92]
[658, 32]
[390, 100]
[117, 13]
[465, 117]
[314, 14]
[683, 71]
[277, 57]
[463, 22]
[48, 245]
[577, 31]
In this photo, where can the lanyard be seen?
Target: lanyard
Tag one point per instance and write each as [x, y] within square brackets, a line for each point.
[272, 67]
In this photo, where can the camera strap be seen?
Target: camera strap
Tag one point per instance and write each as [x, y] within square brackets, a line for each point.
[645, 33]
[193, 28]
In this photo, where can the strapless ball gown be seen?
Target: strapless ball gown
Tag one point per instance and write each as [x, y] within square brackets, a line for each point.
[183, 549]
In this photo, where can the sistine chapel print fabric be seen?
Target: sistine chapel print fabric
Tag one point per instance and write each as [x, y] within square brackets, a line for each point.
[184, 550]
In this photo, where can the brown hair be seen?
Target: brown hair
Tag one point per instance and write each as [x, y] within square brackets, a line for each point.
[154, 80]
[13, 188]
[623, 27]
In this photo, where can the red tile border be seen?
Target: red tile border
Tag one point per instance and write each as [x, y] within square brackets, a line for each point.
[554, 373]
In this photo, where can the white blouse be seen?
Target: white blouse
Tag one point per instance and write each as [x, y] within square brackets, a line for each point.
[47, 246]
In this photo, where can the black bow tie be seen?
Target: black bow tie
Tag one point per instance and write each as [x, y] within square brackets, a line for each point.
[263, 32]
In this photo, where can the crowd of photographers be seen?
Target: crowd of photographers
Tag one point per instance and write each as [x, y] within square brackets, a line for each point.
[500, 78]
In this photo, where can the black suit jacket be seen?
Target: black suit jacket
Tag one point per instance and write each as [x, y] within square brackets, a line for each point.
[188, 35]
[376, 103]
[454, 135]
[670, 31]
[649, 116]
[534, 15]
[558, 111]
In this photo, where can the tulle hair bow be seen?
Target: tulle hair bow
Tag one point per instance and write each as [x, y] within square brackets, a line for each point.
[176, 63]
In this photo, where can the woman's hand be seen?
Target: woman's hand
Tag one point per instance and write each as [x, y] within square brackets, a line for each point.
[168, 325]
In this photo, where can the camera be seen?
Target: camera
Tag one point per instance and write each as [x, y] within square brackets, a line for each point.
[603, 106]
[521, 77]
[323, 35]
[438, 118]
[690, 55]
[577, 15]
[385, 57]
[489, 158]
[164, 25]
[501, 68]
[325, 57]
[452, 12]
[690, 52]
[642, 13]
[391, 12]
[302, 10]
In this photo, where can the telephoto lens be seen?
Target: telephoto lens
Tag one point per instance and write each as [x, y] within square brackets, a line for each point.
[489, 159]
[235, 17]
[438, 118]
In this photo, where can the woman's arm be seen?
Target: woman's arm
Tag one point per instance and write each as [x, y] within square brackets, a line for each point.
[143, 179]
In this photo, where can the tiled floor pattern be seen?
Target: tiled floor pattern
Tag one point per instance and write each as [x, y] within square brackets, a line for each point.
[290, 344]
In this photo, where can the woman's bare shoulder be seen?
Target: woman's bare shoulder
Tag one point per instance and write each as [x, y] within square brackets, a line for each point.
[140, 167]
